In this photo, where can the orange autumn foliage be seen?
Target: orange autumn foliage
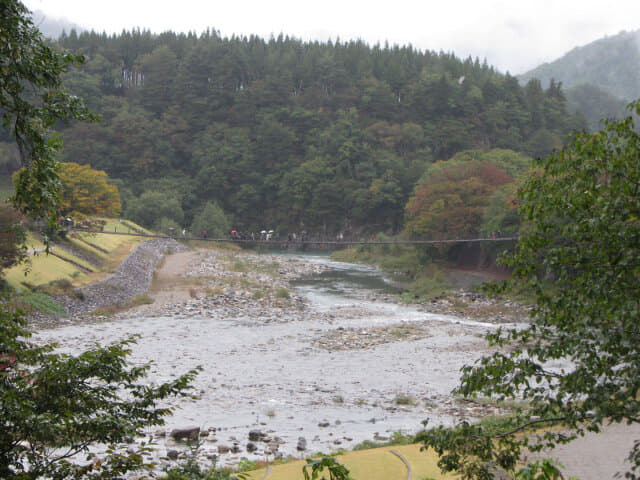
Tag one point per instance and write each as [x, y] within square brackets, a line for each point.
[86, 191]
[452, 198]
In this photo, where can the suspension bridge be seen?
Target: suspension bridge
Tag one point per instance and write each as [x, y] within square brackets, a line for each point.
[298, 244]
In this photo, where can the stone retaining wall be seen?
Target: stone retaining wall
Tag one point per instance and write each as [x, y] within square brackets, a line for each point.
[133, 277]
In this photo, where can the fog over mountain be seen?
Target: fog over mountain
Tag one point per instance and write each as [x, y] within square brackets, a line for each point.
[610, 63]
[51, 26]
[599, 79]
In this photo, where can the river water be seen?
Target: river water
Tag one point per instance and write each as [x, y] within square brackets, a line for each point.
[277, 378]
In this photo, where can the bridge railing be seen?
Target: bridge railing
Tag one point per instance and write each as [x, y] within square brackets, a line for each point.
[306, 241]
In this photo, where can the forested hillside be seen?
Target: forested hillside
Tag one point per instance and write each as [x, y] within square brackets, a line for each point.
[610, 63]
[286, 134]
[599, 79]
[595, 104]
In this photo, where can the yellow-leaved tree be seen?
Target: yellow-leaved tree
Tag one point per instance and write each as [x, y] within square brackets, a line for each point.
[86, 191]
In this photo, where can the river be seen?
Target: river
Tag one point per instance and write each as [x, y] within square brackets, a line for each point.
[352, 366]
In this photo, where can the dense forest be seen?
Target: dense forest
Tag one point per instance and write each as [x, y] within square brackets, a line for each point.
[286, 134]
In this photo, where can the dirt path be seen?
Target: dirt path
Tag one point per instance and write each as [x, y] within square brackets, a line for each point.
[168, 282]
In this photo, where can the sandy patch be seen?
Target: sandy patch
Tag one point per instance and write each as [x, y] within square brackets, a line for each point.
[169, 283]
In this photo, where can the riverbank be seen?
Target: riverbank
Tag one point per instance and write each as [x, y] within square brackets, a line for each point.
[195, 281]
[427, 281]
[308, 375]
[288, 371]
[131, 278]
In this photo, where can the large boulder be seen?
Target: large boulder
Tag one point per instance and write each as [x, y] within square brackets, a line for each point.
[190, 434]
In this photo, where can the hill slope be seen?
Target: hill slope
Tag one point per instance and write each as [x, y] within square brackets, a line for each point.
[284, 134]
[610, 63]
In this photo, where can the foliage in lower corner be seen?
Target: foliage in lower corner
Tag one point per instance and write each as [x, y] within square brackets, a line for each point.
[192, 469]
[61, 405]
[317, 467]
[545, 469]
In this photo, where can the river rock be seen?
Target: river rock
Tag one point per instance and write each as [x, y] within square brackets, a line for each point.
[188, 433]
[302, 444]
[172, 454]
[251, 447]
[223, 449]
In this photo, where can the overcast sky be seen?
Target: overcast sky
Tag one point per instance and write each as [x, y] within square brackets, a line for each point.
[512, 35]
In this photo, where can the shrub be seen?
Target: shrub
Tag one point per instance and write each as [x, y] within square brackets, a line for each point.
[142, 299]
[404, 400]
[282, 293]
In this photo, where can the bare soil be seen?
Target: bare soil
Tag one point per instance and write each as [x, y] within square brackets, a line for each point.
[169, 284]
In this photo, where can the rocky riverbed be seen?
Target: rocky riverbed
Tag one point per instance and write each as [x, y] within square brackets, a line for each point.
[290, 370]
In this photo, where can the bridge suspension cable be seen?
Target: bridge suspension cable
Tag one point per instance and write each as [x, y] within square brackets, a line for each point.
[302, 242]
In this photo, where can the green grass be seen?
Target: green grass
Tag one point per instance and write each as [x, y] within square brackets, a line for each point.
[404, 400]
[424, 281]
[374, 464]
[125, 226]
[41, 302]
[430, 283]
[73, 259]
[397, 438]
[398, 259]
[44, 270]
[142, 299]
[41, 270]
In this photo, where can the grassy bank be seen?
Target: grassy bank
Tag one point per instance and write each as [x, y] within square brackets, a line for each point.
[424, 278]
[79, 259]
[374, 464]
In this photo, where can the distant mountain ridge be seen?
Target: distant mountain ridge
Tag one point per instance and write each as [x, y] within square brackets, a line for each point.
[598, 79]
[610, 63]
